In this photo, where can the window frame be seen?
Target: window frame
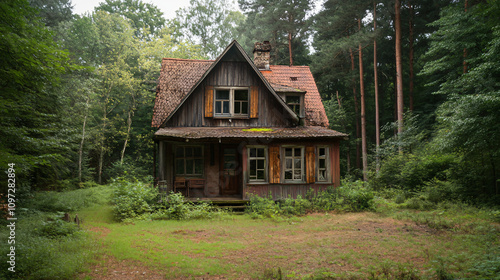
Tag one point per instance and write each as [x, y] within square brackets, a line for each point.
[301, 96]
[232, 101]
[266, 164]
[185, 158]
[302, 160]
[327, 164]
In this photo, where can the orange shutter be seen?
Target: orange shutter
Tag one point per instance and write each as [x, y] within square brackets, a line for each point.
[310, 165]
[274, 164]
[254, 102]
[209, 101]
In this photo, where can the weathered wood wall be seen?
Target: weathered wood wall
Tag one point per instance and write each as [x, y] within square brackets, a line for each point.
[231, 74]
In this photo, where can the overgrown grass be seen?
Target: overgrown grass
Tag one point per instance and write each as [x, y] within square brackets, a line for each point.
[47, 247]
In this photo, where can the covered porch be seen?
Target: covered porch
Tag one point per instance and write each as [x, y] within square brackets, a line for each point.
[231, 164]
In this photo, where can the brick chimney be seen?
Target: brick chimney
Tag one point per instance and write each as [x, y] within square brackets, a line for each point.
[262, 55]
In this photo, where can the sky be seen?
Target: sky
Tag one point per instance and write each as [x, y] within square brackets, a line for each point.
[168, 7]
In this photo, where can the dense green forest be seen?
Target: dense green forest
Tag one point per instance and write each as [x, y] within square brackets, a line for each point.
[416, 84]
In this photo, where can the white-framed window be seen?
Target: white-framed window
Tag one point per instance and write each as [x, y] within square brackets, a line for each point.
[231, 102]
[188, 160]
[322, 164]
[257, 163]
[293, 163]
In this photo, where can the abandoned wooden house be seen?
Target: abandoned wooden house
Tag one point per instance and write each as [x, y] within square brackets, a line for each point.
[233, 127]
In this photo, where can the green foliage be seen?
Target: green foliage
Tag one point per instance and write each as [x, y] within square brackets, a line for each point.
[132, 199]
[211, 24]
[57, 228]
[349, 197]
[68, 201]
[277, 22]
[175, 207]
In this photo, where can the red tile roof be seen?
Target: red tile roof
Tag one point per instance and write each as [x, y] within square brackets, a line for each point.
[177, 77]
[300, 77]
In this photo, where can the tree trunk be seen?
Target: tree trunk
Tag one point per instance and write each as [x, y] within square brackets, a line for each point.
[412, 75]
[399, 66]
[101, 152]
[129, 125]
[363, 116]
[375, 74]
[356, 112]
[348, 158]
[80, 151]
[290, 47]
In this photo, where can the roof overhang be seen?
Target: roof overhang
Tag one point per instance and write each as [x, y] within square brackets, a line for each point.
[227, 133]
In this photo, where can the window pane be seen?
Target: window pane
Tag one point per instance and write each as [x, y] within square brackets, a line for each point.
[237, 108]
[225, 107]
[218, 107]
[298, 163]
[288, 163]
[260, 164]
[179, 166]
[244, 108]
[222, 94]
[189, 166]
[260, 152]
[179, 152]
[297, 175]
[198, 166]
[288, 152]
[322, 163]
[292, 99]
[241, 94]
[189, 151]
[260, 175]
[322, 175]
[297, 152]
[322, 151]
[252, 152]
[253, 168]
[197, 152]
[288, 175]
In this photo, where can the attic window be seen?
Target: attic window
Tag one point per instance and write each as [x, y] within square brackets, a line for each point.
[294, 78]
[231, 102]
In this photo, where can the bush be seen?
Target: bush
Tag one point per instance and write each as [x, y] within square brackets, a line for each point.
[263, 207]
[175, 207]
[58, 228]
[132, 199]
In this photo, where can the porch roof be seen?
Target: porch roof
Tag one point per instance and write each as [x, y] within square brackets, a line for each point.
[302, 132]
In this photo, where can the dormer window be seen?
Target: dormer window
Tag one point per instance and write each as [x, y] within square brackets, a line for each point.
[231, 102]
[296, 102]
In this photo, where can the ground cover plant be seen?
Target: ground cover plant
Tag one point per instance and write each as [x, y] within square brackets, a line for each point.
[46, 246]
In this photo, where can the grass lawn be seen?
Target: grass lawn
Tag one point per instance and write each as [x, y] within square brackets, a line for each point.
[316, 246]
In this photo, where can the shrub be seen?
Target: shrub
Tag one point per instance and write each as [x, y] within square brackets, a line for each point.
[175, 207]
[263, 207]
[132, 199]
[57, 228]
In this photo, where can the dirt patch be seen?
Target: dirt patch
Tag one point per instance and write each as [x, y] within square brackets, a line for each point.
[102, 231]
[110, 268]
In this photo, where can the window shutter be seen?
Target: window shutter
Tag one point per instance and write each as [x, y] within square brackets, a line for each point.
[209, 101]
[310, 165]
[254, 102]
[274, 164]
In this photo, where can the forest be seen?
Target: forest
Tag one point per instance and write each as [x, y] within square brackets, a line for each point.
[416, 85]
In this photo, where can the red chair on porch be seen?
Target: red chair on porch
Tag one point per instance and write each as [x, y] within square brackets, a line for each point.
[196, 184]
[180, 183]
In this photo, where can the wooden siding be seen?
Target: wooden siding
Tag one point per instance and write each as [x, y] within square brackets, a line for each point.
[268, 113]
[283, 191]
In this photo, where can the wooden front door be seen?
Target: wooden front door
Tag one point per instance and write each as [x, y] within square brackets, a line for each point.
[230, 171]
